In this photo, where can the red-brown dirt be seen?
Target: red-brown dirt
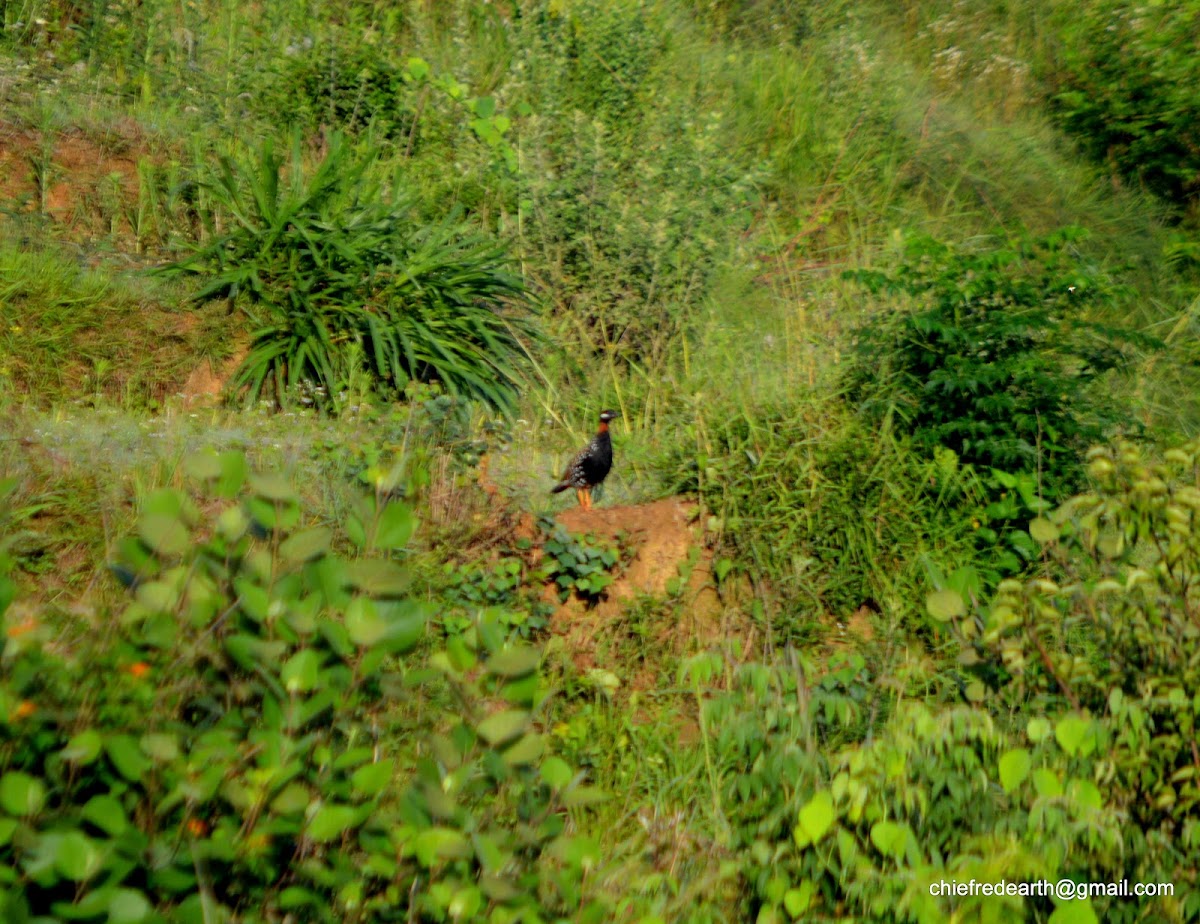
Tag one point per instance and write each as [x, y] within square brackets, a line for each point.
[206, 384]
[78, 170]
[664, 538]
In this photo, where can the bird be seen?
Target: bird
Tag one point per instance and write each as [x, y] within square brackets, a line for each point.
[591, 464]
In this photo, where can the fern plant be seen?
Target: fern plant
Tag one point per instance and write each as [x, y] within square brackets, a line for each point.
[338, 275]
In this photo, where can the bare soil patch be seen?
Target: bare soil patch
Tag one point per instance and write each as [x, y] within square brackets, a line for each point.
[667, 544]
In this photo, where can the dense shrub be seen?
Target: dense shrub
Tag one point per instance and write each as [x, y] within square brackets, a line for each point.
[1116, 636]
[252, 736]
[1116, 632]
[342, 281]
[1075, 758]
[833, 515]
[607, 51]
[345, 85]
[1125, 87]
[996, 360]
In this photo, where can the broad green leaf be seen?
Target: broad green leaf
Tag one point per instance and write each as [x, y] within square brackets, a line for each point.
[377, 577]
[1038, 729]
[203, 465]
[296, 897]
[514, 662]
[292, 798]
[77, 857]
[583, 795]
[273, 487]
[160, 747]
[434, 844]
[363, 623]
[372, 779]
[944, 605]
[1086, 793]
[126, 756]
[526, 750]
[169, 502]
[83, 748]
[523, 691]
[815, 819]
[465, 904]
[21, 794]
[557, 773]
[163, 533]
[500, 889]
[796, 901]
[128, 906]
[232, 524]
[331, 822]
[417, 68]
[233, 473]
[578, 851]
[395, 527]
[273, 515]
[503, 727]
[107, 814]
[306, 545]
[302, 671]
[1047, 783]
[1014, 768]
[158, 596]
[889, 838]
[1043, 530]
[406, 621]
[1070, 733]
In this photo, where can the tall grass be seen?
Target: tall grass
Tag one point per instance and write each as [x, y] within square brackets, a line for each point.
[71, 334]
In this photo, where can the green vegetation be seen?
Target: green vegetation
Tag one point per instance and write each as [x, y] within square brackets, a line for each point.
[301, 311]
[342, 285]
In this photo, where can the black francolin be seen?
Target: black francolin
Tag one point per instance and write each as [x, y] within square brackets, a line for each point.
[591, 464]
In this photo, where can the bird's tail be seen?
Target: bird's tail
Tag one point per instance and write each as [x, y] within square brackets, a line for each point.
[560, 487]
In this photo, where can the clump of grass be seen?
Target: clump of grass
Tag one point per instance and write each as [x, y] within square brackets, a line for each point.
[339, 277]
[70, 334]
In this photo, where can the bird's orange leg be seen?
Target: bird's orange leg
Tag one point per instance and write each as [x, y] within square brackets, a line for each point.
[587, 494]
[579, 496]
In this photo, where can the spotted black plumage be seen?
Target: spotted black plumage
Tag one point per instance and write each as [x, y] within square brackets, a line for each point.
[591, 464]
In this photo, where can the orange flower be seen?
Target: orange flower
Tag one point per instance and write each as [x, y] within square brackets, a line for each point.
[24, 627]
[138, 670]
[196, 827]
[24, 709]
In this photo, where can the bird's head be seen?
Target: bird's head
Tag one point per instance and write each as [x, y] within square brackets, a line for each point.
[606, 416]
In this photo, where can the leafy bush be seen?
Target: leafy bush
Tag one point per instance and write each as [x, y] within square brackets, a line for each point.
[1076, 761]
[250, 737]
[348, 85]
[997, 360]
[608, 49]
[1125, 87]
[339, 278]
[577, 564]
[831, 514]
[499, 586]
[1115, 634]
